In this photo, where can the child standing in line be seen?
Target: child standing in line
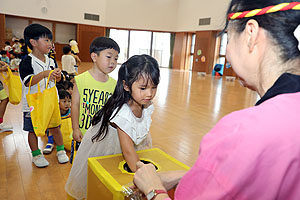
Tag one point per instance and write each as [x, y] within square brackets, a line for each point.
[122, 125]
[3, 101]
[7, 46]
[68, 61]
[4, 57]
[66, 124]
[93, 87]
[38, 66]
[14, 62]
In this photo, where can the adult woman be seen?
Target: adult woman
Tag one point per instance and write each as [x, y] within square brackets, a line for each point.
[252, 153]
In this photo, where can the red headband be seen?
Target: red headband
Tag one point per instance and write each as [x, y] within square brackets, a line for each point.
[269, 9]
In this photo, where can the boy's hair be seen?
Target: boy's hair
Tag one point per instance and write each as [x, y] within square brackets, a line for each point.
[14, 54]
[66, 49]
[60, 87]
[3, 52]
[36, 31]
[7, 43]
[102, 43]
[64, 94]
[68, 85]
[139, 66]
[22, 41]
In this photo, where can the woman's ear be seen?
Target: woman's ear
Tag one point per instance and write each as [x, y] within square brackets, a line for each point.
[126, 88]
[94, 56]
[252, 32]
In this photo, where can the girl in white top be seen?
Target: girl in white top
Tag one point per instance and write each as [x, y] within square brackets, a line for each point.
[122, 125]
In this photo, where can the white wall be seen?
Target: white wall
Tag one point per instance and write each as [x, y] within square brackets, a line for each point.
[163, 15]
[190, 11]
[142, 14]
[58, 10]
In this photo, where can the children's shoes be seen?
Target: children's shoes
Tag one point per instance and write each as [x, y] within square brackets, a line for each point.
[48, 148]
[40, 161]
[62, 157]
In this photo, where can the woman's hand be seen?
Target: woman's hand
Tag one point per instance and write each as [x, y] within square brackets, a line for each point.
[146, 178]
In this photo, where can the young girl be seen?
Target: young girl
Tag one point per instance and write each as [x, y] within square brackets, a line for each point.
[123, 124]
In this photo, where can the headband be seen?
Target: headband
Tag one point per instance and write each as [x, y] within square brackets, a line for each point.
[262, 11]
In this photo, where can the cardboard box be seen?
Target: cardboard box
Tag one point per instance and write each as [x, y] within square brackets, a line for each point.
[106, 174]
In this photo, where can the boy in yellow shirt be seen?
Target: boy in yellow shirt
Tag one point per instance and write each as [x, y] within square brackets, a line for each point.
[93, 87]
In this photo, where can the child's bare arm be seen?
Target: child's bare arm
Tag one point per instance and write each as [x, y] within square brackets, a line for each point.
[3, 66]
[44, 74]
[77, 135]
[128, 150]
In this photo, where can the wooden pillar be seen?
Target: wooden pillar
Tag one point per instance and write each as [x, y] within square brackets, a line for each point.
[2, 30]
[180, 50]
[204, 51]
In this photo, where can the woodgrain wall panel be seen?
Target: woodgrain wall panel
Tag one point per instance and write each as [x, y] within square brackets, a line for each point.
[206, 44]
[85, 35]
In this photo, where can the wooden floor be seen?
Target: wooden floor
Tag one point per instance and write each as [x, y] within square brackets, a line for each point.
[187, 106]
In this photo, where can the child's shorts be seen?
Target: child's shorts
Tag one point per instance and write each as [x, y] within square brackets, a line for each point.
[3, 95]
[74, 148]
[27, 123]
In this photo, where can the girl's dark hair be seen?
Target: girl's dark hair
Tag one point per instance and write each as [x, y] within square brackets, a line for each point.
[7, 43]
[64, 94]
[60, 86]
[68, 85]
[66, 49]
[36, 31]
[102, 43]
[280, 25]
[134, 68]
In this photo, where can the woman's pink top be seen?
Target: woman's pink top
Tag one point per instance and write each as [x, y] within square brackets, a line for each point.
[250, 154]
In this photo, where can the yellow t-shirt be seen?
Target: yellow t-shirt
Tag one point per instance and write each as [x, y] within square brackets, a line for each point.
[93, 95]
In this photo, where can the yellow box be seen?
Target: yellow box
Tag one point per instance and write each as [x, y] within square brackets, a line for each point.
[106, 174]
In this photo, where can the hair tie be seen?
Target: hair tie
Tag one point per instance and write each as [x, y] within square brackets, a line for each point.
[262, 11]
[297, 35]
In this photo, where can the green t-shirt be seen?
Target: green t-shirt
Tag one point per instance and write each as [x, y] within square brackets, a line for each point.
[93, 95]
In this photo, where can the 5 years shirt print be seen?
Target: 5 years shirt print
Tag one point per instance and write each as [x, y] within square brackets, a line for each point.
[92, 101]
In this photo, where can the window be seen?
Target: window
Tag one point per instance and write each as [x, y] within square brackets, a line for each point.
[140, 43]
[131, 43]
[192, 51]
[121, 37]
[223, 46]
[161, 48]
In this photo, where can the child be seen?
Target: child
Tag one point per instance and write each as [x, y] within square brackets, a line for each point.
[24, 51]
[7, 46]
[93, 87]
[66, 127]
[4, 57]
[14, 62]
[17, 46]
[122, 125]
[3, 101]
[69, 86]
[38, 66]
[68, 61]
[74, 46]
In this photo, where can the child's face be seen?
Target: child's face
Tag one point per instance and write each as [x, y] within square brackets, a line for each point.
[106, 61]
[64, 105]
[142, 91]
[43, 45]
